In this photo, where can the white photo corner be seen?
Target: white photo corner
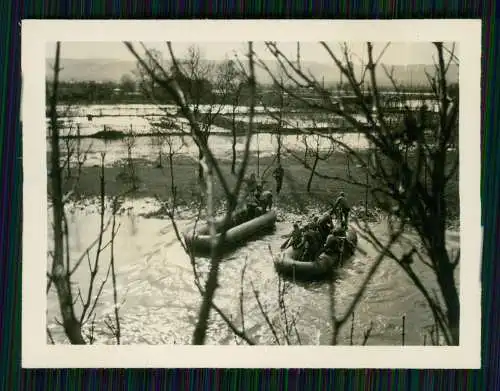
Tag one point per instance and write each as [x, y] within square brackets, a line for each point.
[251, 194]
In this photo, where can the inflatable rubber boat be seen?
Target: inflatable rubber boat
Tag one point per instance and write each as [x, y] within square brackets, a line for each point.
[199, 239]
[321, 268]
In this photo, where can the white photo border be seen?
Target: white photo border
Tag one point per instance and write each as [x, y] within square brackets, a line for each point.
[36, 353]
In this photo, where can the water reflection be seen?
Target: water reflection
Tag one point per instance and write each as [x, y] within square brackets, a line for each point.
[160, 300]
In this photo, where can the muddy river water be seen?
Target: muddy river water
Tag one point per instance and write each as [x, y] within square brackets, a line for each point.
[159, 301]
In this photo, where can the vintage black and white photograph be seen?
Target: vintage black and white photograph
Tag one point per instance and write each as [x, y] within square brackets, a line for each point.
[254, 192]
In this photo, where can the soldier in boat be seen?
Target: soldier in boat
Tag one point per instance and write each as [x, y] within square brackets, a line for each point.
[311, 243]
[240, 216]
[251, 184]
[294, 238]
[259, 202]
[266, 200]
[252, 204]
[341, 209]
[325, 225]
[314, 224]
[335, 241]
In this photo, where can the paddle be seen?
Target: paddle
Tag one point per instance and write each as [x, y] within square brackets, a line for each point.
[285, 244]
[363, 252]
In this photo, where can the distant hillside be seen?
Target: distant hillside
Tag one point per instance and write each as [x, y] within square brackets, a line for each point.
[88, 70]
[113, 70]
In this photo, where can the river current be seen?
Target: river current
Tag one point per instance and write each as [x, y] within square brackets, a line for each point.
[159, 301]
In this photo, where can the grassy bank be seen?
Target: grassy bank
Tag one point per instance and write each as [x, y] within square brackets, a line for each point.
[294, 197]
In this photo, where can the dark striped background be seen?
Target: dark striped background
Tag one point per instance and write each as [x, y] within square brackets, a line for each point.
[12, 377]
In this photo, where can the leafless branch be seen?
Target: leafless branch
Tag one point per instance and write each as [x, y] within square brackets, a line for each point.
[170, 84]
[265, 315]
[366, 334]
[59, 275]
[113, 276]
[51, 338]
[242, 297]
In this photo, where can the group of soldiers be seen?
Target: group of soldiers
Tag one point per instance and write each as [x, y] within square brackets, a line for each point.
[258, 201]
[321, 235]
[316, 236]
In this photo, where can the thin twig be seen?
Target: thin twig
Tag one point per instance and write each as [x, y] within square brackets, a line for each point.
[367, 333]
[113, 276]
[265, 315]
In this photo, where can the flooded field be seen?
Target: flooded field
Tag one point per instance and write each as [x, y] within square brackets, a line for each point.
[147, 147]
[142, 119]
[160, 300]
[149, 123]
[155, 278]
[152, 109]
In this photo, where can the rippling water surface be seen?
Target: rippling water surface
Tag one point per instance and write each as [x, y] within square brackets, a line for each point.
[160, 300]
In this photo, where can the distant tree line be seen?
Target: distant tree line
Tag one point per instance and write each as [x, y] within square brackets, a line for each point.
[130, 89]
[93, 92]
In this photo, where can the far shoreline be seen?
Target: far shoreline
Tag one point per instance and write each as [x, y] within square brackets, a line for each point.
[121, 135]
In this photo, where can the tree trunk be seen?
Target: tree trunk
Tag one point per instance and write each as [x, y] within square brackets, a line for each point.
[68, 162]
[233, 146]
[278, 152]
[59, 273]
[258, 157]
[446, 280]
[445, 269]
[200, 168]
[78, 151]
[173, 188]
[313, 169]
[366, 192]
[425, 174]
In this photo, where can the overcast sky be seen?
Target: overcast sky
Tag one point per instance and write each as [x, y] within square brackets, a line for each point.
[396, 54]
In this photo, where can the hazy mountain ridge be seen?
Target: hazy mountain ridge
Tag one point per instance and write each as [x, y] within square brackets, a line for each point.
[113, 70]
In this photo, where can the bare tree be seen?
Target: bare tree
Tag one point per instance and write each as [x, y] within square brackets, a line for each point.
[207, 289]
[396, 175]
[386, 164]
[211, 171]
[172, 81]
[147, 85]
[73, 152]
[69, 142]
[158, 141]
[235, 82]
[316, 149]
[206, 87]
[129, 173]
[163, 138]
[59, 274]
[81, 155]
[63, 266]
[209, 84]
[282, 105]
